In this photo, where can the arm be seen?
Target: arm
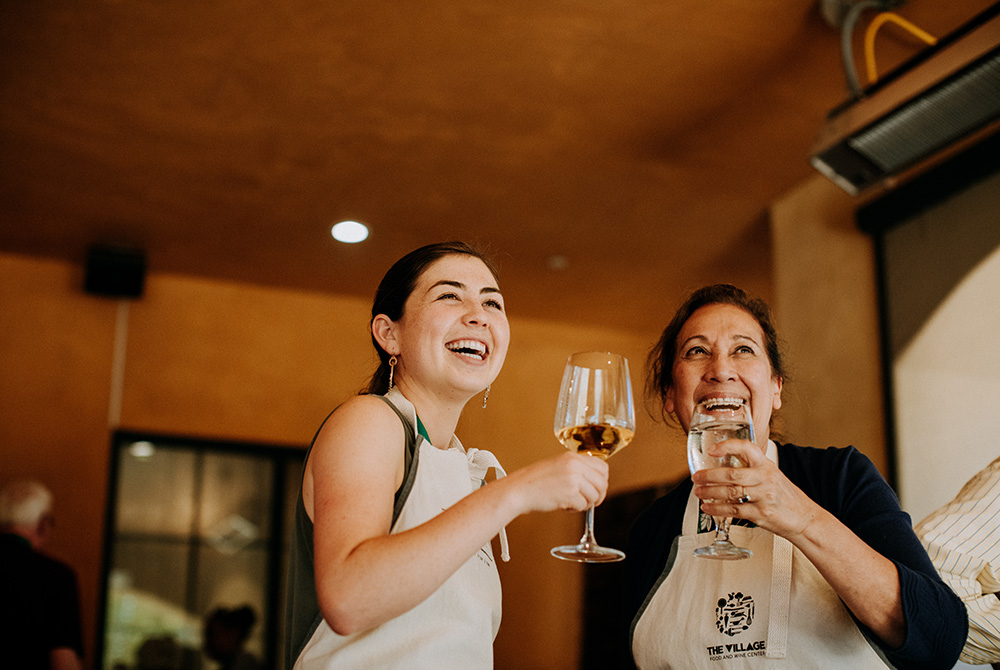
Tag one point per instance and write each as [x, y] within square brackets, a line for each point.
[348, 487]
[982, 646]
[965, 574]
[962, 539]
[65, 637]
[866, 581]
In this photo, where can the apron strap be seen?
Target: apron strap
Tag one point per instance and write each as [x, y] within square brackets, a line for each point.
[781, 585]
[781, 588]
[481, 460]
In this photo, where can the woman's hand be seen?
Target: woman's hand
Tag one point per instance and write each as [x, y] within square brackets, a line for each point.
[567, 481]
[759, 492]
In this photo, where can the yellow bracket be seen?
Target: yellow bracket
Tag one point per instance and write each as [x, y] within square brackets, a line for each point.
[877, 23]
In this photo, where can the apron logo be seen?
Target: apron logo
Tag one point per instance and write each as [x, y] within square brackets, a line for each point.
[734, 613]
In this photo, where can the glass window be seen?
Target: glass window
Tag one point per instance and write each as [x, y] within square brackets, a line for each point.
[196, 526]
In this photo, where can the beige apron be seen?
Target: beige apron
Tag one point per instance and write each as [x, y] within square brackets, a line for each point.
[771, 610]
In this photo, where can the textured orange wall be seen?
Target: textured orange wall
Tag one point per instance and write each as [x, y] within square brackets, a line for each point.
[229, 361]
[827, 311]
[56, 352]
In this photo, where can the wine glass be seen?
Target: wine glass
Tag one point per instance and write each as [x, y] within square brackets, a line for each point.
[714, 421]
[595, 415]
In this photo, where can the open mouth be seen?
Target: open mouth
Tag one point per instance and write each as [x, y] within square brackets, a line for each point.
[471, 348]
[723, 403]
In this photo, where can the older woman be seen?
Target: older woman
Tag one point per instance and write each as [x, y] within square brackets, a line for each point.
[837, 578]
[392, 565]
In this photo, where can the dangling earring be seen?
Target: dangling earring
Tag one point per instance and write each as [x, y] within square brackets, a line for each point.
[486, 395]
[392, 367]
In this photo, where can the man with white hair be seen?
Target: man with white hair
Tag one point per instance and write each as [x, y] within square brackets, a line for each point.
[39, 601]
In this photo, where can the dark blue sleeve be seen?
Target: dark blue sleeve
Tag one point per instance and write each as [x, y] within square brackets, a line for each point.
[846, 482]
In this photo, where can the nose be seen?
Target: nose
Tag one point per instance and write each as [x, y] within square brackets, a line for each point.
[720, 369]
[477, 315]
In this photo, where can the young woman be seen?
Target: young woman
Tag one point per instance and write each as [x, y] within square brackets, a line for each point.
[392, 565]
[837, 578]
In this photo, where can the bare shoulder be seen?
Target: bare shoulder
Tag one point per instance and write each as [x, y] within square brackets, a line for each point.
[364, 423]
[357, 453]
[364, 410]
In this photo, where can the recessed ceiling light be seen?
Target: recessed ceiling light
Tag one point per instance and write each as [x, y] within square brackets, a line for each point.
[350, 232]
[558, 262]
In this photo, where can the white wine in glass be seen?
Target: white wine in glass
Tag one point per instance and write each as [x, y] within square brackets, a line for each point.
[715, 421]
[595, 415]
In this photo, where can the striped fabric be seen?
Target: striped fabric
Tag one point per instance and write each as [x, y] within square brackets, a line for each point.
[963, 540]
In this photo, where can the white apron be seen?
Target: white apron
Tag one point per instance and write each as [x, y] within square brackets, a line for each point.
[772, 610]
[454, 627]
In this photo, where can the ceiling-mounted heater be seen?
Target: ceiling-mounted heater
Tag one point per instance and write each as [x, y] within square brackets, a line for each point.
[944, 96]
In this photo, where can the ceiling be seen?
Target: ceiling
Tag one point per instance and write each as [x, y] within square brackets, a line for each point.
[640, 142]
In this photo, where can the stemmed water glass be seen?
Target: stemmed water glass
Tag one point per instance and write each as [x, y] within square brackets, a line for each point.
[714, 421]
[595, 415]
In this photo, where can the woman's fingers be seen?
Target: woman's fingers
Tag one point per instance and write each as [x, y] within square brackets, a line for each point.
[732, 491]
[592, 482]
[746, 451]
[567, 481]
[759, 494]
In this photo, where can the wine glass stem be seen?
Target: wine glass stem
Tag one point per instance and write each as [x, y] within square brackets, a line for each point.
[588, 538]
[722, 529]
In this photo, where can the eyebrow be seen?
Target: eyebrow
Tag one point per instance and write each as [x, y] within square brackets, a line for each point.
[702, 338]
[459, 285]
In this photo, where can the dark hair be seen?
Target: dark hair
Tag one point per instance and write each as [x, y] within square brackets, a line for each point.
[396, 287]
[660, 363]
[238, 619]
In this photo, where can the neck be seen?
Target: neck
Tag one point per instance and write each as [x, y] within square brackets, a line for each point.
[439, 415]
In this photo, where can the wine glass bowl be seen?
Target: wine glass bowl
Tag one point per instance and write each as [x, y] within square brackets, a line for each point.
[716, 420]
[595, 415]
[602, 440]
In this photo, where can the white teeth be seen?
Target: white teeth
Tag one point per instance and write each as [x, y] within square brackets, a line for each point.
[471, 348]
[716, 402]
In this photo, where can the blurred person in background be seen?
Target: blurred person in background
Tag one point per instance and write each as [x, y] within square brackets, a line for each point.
[39, 599]
[226, 634]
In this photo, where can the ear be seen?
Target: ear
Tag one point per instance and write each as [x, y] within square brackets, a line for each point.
[776, 393]
[384, 332]
[668, 400]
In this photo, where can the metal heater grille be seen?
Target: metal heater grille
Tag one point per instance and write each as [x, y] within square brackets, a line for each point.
[948, 112]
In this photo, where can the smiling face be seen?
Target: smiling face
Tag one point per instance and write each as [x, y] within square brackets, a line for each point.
[453, 335]
[721, 354]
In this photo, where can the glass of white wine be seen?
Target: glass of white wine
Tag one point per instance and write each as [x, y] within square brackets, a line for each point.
[595, 415]
[714, 421]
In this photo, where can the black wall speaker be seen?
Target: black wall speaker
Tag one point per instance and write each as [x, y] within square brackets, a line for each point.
[116, 272]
